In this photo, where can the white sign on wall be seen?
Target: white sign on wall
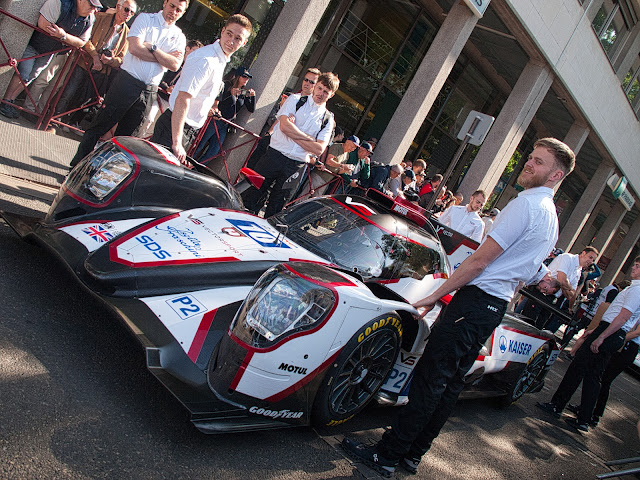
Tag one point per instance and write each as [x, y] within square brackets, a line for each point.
[478, 7]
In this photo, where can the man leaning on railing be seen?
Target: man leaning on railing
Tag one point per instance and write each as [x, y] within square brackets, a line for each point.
[66, 23]
[106, 47]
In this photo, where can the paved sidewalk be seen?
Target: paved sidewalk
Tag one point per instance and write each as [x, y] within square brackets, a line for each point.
[33, 163]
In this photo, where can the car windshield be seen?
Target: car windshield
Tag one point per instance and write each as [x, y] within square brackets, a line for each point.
[353, 243]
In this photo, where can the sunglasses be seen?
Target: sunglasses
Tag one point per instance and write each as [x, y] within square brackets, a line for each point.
[128, 10]
[310, 81]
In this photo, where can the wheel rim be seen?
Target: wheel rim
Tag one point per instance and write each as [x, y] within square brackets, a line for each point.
[363, 372]
[529, 375]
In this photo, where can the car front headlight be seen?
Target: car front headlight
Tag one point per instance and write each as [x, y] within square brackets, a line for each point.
[97, 180]
[281, 304]
[111, 174]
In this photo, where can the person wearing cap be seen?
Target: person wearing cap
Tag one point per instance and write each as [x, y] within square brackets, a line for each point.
[334, 162]
[156, 45]
[361, 167]
[199, 84]
[393, 185]
[234, 97]
[67, 23]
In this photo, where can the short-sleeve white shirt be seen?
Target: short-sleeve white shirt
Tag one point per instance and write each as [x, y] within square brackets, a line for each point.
[526, 230]
[629, 299]
[569, 264]
[461, 220]
[308, 119]
[51, 11]
[152, 28]
[201, 77]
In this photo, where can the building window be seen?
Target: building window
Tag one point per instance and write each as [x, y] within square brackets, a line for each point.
[631, 85]
[612, 24]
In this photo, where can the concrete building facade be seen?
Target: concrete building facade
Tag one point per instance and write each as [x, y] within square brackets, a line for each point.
[411, 71]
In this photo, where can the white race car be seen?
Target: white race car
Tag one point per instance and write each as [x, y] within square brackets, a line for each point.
[301, 318]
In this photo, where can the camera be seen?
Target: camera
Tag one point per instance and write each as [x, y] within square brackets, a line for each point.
[106, 52]
[244, 92]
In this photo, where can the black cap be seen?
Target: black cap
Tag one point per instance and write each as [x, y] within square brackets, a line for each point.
[243, 72]
[367, 146]
[409, 173]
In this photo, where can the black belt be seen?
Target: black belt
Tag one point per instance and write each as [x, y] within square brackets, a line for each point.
[139, 83]
[186, 129]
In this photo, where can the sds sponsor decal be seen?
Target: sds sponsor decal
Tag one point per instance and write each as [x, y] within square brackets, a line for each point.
[153, 246]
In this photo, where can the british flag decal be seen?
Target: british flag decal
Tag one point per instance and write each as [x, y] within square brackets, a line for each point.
[98, 233]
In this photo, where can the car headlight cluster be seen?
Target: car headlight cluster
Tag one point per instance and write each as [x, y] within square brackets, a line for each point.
[102, 174]
[280, 304]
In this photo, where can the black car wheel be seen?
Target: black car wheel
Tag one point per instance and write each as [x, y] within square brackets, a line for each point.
[531, 372]
[359, 371]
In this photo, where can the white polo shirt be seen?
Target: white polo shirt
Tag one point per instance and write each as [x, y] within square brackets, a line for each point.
[629, 298]
[152, 28]
[308, 119]
[569, 264]
[527, 230]
[467, 223]
[201, 76]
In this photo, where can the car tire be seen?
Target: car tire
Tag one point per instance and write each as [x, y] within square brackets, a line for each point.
[359, 371]
[528, 376]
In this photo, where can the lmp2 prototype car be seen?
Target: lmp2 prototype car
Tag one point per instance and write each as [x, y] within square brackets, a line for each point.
[255, 323]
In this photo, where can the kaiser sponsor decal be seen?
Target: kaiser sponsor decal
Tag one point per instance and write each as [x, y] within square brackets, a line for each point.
[519, 348]
[503, 343]
[275, 413]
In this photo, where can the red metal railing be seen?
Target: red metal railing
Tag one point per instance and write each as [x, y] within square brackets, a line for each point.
[43, 117]
[254, 139]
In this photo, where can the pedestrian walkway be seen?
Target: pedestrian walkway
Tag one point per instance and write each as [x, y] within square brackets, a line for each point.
[34, 161]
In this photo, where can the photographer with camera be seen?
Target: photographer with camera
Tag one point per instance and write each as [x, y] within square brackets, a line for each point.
[234, 96]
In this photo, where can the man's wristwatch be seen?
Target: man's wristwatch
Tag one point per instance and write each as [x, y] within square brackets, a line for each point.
[153, 48]
[63, 37]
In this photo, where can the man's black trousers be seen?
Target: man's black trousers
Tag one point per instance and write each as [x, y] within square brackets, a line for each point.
[456, 338]
[124, 104]
[276, 169]
[618, 363]
[587, 367]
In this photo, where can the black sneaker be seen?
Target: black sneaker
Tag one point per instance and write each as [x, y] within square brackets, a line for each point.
[8, 110]
[550, 408]
[575, 409]
[594, 421]
[369, 456]
[575, 423]
[410, 465]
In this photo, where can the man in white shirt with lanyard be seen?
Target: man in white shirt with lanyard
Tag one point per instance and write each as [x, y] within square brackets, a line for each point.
[156, 45]
[523, 235]
[594, 354]
[465, 219]
[302, 132]
[199, 84]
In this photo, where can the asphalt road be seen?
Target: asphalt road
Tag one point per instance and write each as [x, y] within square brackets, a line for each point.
[76, 402]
